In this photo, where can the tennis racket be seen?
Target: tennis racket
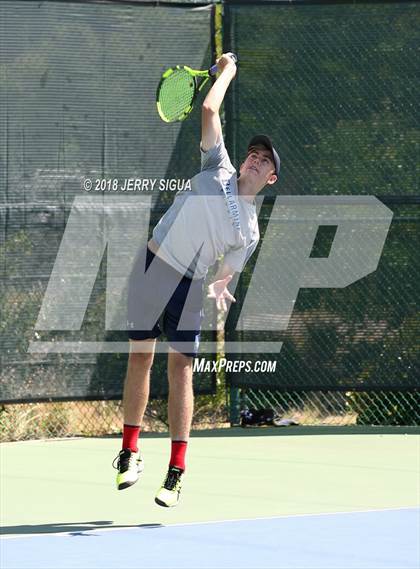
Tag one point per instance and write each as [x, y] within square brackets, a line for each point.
[178, 88]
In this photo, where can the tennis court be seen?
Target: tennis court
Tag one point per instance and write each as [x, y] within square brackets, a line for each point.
[252, 499]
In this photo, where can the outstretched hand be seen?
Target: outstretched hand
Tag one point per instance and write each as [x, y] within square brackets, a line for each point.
[219, 291]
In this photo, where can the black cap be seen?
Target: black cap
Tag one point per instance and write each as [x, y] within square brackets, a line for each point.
[262, 139]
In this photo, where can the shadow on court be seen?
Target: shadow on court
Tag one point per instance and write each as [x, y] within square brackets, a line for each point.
[74, 528]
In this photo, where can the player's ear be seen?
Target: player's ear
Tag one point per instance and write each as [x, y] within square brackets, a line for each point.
[272, 180]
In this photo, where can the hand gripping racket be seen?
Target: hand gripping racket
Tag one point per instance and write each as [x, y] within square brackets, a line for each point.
[178, 88]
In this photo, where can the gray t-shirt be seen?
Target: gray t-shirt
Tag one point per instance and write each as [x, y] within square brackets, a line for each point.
[208, 221]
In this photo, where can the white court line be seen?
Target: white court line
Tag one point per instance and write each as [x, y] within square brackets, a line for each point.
[182, 524]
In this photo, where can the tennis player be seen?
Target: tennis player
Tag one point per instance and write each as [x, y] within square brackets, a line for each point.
[216, 218]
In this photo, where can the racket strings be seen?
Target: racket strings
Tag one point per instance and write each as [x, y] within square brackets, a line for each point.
[176, 94]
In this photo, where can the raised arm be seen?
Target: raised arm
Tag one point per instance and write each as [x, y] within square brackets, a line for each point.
[211, 128]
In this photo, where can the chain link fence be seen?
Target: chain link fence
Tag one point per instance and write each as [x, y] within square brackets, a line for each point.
[349, 356]
[334, 85]
[333, 408]
[26, 421]
[77, 103]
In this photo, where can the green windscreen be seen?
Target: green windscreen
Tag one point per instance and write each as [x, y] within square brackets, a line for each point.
[336, 87]
[77, 101]
[361, 337]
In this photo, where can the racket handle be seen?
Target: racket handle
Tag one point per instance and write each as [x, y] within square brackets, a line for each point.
[213, 68]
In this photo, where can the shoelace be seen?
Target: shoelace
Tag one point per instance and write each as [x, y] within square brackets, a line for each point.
[172, 479]
[124, 459]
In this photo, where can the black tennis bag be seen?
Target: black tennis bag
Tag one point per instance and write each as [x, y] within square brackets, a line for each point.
[259, 417]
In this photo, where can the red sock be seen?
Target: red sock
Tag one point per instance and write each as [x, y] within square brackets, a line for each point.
[130, 437]
[178, 450]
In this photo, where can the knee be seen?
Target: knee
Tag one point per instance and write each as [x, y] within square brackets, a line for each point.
[143, 360]
[181, 360]
[180, 366]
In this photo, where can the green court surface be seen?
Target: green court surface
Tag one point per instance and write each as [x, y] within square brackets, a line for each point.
[69, 485]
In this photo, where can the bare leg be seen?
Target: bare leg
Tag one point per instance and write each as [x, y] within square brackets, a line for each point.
[137, 383]
[181, 397]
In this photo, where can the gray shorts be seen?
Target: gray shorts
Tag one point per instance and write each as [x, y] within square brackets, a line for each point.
[144, 300]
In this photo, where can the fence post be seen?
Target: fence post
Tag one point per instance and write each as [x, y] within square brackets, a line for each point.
[234, 405]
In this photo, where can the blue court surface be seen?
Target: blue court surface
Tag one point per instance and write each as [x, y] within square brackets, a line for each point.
[371, 540]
